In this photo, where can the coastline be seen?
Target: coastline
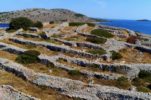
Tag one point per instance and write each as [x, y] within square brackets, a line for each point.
[121, 28]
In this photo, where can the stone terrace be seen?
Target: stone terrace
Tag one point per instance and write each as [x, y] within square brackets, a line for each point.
[67, 48]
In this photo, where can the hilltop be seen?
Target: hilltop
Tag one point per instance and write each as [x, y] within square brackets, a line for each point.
[46, 15]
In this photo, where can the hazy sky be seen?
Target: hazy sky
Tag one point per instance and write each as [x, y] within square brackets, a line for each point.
[112, 9]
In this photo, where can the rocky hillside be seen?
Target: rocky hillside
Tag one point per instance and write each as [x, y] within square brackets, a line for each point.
[67, 61]
[45, 15]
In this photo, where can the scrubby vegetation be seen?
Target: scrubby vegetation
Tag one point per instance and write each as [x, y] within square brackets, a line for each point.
[96, 40]
[101, 33]
[94, 65]
[43, 35]
[123, 83]
[145, 76]
[115, 55]
[90, 24]
[143, 89]
[51, 65]
[132, 39]
[51, 22]
[143, 81]
[97, 51]
[74, 73]
[76, 23]
[32, 52]
[79, 15]
[38, 24]
[62, 60]
[21, 22]
[28, 57]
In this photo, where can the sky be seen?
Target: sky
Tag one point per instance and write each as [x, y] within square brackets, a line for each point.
[108, 9]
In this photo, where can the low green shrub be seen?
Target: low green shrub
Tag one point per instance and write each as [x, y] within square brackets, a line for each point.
[96, 40]
[62, 59]
[32, 52]
[79, 15]
[51, 22]
[28, 57]
[143, 81]
[10, 30]
[138, 82]
[143, 89]
[74, 73]
[20, 22]
[149, 86]
[43, 35]
[76, 23]
[50, 65]
[90, 24]
[145, 76]
[55, 36]
[102, 33]
[94, 65]
[115, 55]
[97, 51]
[123, 83]
[38, 24]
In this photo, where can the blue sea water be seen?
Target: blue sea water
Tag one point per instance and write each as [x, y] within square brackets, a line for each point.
[138, 26]
[4, 25]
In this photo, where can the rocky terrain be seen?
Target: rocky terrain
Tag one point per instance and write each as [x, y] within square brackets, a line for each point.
[45, 15]
[81, 62]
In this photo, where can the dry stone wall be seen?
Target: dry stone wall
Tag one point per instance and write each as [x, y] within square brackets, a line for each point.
[70, 87]
[131, 70]
[54, 47]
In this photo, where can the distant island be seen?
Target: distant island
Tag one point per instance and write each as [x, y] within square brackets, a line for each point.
[144, 20]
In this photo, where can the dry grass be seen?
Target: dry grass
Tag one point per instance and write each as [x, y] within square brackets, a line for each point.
[88, 29]
[10, 56]
[41, 49]
[50, 70]
[38, 67]
[134, 56]
[28, 88]
[49, 25]
[77, 38]
[105, 82]
[68, 29]
[87, 79]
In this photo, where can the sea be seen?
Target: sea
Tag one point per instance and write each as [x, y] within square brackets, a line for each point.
[137, 26]
[4, 25]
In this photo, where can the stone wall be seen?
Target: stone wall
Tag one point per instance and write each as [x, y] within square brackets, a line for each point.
[54, 47]
[131, 70]
[53, 59]
[70, 87]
